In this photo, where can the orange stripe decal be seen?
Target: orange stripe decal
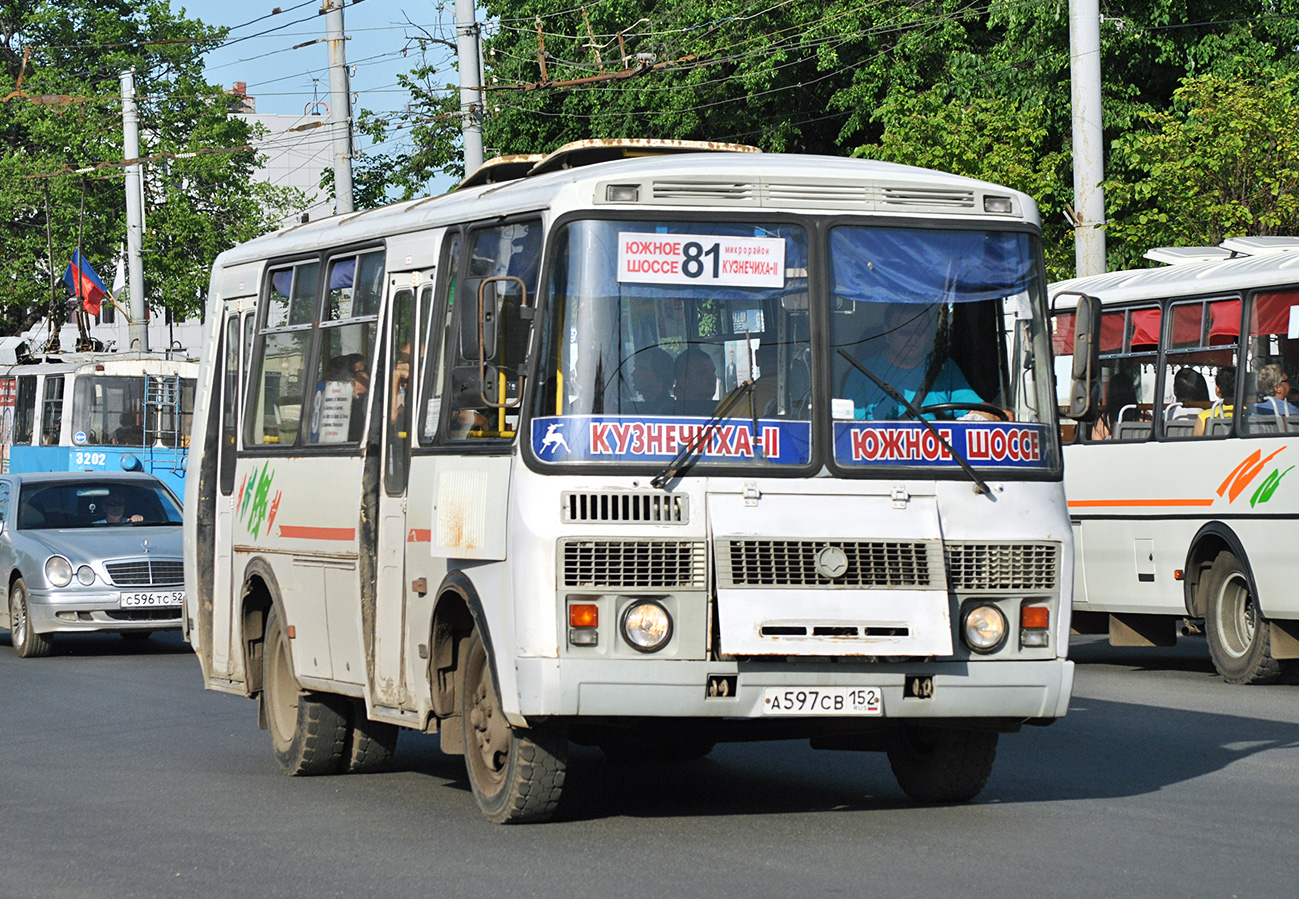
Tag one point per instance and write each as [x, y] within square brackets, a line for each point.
[1138, 503]
[304, 533]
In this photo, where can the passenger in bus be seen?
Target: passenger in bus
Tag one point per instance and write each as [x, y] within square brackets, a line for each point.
[904, 361]
[696, 382]
[1191, 392]
[1120, 395]
[651, 375]
[1273, 392]
[1225, 386]
[400, 382]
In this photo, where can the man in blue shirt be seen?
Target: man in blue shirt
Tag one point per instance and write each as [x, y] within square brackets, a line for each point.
[903, 362]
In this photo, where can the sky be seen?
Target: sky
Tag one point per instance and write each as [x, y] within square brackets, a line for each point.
[285, 81]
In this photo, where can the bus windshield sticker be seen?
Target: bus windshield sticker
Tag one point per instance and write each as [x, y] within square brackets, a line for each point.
[984, 444]
[579, 438]
[701, 259]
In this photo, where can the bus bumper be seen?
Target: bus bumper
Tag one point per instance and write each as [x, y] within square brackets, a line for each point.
[676, 689]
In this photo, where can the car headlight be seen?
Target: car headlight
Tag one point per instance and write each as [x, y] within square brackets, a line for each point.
[984, 628]
[58, 571]
[647, 626]
[85, 575]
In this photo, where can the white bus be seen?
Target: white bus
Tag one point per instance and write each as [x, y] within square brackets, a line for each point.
[1181, 492]
[98, 412]
[587, 452]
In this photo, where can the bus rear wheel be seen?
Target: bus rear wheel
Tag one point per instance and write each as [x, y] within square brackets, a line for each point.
[308, 730]
[516, 774]
[940, 765]
[1238, 634]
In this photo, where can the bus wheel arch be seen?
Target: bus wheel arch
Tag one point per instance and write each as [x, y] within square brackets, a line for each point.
[457, 612]
[259, 594]
[1209, 541]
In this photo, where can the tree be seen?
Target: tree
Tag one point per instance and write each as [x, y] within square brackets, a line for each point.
[1223, 161]
[66, 115]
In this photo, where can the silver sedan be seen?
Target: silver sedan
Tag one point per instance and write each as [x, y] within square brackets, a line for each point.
[88, 551]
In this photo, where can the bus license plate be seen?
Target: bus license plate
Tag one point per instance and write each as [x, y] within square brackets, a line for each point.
[153, 599]
[822, 701]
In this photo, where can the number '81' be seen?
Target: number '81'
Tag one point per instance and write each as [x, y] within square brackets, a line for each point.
[692, 265]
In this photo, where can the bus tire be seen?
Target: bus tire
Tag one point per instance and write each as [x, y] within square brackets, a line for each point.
[26, 642]
[941, 765]
[370, 744]
[1238, 634]
[516, 774]
[308, 730]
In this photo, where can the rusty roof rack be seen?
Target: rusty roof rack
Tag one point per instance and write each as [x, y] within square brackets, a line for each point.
[588, 152]
[502, 168]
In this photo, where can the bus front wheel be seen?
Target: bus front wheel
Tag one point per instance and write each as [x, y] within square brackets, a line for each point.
[308, 730]
[1238, 634]
[940, 765]
[516, 774]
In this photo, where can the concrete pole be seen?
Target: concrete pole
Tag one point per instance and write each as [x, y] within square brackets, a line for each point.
[137, 334]
[1088, 145]
[471, 107]
[340, 107]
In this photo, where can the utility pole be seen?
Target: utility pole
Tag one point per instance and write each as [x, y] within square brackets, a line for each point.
[340, 107]
[137, 334]
[1088, 147]
[471, 106]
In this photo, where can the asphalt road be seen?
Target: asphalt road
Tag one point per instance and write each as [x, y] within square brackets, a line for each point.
[120, 777]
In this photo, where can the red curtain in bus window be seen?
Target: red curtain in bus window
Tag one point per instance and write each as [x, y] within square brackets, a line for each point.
[1062, 334]
[1186, 325]
[1224, 322]
[1145, 329]
[1271, 313]
[1112, 332]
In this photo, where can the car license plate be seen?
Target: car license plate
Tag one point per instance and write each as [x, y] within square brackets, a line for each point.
[822, 701]
[152, 599]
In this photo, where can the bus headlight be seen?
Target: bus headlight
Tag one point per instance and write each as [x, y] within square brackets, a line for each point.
[984, 628]
[647, 626]
[58, 571]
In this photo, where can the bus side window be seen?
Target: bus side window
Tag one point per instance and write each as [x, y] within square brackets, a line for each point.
[439, 315]
[401, 352]
[278, 369]
[486, 406]
[1199, 364]
[1271, 404]
[229, 405]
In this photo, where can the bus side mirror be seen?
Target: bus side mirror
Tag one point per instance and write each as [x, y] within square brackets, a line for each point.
[1085, 391]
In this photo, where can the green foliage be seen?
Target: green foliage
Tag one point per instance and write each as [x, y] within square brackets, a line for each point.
[1222, 162]
[68, 116]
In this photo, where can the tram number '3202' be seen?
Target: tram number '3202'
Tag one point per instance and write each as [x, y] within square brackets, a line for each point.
[821, 701]
[92, 458]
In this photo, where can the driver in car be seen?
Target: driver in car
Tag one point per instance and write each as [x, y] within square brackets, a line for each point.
[905, 360]
[114, 511]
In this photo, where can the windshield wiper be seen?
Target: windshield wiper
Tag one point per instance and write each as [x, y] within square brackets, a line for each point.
[689, 453]
[979, 485]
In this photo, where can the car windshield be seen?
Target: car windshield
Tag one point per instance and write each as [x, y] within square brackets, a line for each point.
[90, 504]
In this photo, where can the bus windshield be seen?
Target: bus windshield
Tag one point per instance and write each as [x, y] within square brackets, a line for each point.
[654, 326]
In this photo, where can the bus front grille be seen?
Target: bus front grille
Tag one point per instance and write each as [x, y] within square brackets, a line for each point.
[146, 573]
[625, 564]
[895, 564]
[1003, 567]
[625, 506]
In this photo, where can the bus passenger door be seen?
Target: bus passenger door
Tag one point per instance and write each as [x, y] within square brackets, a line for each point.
[401, 354]
[223, 571]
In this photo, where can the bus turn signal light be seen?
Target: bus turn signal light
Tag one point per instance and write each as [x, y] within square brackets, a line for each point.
[584, 615]
[1035, 617]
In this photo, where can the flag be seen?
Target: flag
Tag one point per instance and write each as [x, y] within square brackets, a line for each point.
[82, 281]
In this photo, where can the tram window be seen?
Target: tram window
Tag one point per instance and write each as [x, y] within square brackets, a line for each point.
[25, 410]
[52, 411]
[106, 410]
